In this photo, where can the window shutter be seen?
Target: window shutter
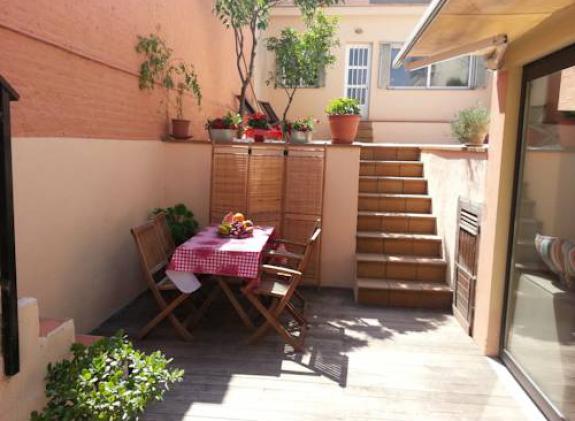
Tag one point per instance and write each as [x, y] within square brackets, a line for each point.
[479, 72]
[384, 65]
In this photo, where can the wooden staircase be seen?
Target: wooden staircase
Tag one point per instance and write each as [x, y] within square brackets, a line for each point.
[399, 256]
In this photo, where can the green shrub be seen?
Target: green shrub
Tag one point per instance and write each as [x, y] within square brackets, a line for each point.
[343, 106]
[182, 223]
[108, 380]
[470, 123]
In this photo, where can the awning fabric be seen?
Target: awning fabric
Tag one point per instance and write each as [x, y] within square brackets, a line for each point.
[455, 27]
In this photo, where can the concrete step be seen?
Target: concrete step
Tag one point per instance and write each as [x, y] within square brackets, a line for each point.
[399, 293]
[391, 168]
[403, 203]
[399, 244]
[379, 184]
[49, 326]
[390, 153]
[407, 268]
[395, 222]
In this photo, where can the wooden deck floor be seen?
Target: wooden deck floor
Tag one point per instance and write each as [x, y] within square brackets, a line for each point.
[362, 363]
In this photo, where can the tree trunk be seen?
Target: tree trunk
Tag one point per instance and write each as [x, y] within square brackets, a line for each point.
[288, 106]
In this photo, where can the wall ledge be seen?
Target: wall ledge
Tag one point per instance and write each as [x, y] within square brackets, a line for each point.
[454, 149]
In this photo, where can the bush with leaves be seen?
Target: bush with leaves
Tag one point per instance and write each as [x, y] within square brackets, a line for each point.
[248, 19]
[159, 68]
[108, 380]
[343, 106]
[183, 225]
[470, 123]
[302, 56]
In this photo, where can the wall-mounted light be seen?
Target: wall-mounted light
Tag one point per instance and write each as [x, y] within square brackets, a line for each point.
[358, 31]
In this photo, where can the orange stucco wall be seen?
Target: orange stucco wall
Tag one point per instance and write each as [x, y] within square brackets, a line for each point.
[74, 65]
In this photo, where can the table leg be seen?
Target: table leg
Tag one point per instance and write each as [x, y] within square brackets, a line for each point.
[237, 306]
[195, 317]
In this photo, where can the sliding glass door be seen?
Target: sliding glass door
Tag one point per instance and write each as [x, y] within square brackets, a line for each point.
[539, 340]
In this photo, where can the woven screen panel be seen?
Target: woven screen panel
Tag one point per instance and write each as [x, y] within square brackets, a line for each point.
[304, 181]
[229, 181]
[300, 228]
[265, 181]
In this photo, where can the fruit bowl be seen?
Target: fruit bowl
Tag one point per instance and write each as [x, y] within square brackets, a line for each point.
[235, 225]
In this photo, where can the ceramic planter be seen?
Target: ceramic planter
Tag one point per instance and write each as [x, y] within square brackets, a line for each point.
[222, 135]
[299, 137]
[180, 129]
[259, 135]
[477, 140]
[344, 128]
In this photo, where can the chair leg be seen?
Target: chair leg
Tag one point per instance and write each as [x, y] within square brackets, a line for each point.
[274, 322]
[167, 312]
[265, 327]
[299, 318]
[195, 317]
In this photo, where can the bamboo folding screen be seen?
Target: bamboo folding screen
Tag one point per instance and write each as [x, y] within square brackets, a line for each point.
[273, 185]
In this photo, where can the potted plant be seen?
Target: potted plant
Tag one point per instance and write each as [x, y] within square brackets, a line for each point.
[224, 129]
[300, 131]
[471, 125]
[344, 117]
[173, 75]
[182, 222]
[258, 126]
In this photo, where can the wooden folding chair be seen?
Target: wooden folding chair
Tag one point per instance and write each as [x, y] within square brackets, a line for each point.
[160, 221]
[281, 283]
[153, 259]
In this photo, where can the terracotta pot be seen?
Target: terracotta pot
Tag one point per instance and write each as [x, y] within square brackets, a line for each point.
[180, 128]
[477, 140]
[344, 128]
[259, 135]
[300, 137]
[222, 135]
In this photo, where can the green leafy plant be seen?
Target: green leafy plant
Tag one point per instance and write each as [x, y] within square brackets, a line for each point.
[247, 19]
[173, 75]
[343, 106]
[182, 223]
[108, 380]
[470, 123]
[302, 56]
[300, 125]
[229, 121]
[258, 121]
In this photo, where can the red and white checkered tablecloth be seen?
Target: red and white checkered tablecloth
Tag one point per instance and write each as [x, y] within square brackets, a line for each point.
[208, 253]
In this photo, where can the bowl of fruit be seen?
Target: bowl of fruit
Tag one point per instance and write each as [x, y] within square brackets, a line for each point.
[235, 225]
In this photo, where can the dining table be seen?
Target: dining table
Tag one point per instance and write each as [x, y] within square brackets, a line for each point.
[226, 259]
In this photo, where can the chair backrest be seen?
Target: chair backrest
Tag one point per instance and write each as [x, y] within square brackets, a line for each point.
[310, 245]
[153, 258]
[160, 221]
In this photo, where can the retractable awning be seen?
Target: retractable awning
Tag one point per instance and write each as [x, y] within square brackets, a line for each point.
[451, 28]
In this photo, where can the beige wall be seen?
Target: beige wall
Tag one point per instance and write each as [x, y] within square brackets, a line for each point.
[340, 216]
[548, 37]
[465, 171]
[75, 201]
[403, 110]
[24, 392]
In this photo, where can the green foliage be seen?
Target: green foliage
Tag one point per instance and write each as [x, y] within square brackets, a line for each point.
[159, 68]
[300, 125]
[229, 121]
[301, 56]
[109, 380]
[470, 123]
[343, 106]
[182, 223]
[248, 18]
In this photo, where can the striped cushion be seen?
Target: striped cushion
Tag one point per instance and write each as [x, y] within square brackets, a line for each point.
[559, 256]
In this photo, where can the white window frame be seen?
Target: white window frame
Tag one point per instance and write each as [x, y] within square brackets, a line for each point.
[366, 108]
[387, 62]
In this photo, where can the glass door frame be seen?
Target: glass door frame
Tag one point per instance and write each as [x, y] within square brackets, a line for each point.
[547, 65]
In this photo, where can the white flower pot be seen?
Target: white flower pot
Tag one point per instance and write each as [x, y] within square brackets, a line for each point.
[222, 135]
[300, 137]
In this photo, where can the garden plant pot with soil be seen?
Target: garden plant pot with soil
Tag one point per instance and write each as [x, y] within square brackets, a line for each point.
[299, 137]
[344, 128]
[222, 135]
[344, 117]
[180, 128]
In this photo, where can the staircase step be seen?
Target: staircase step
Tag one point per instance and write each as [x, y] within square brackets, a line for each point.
[380, 184]
[398, 293]
[47, 326]
[409, 268]
[396, 222]
[391, 168]
[385, 202]
[399, 244]
[390, 153]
